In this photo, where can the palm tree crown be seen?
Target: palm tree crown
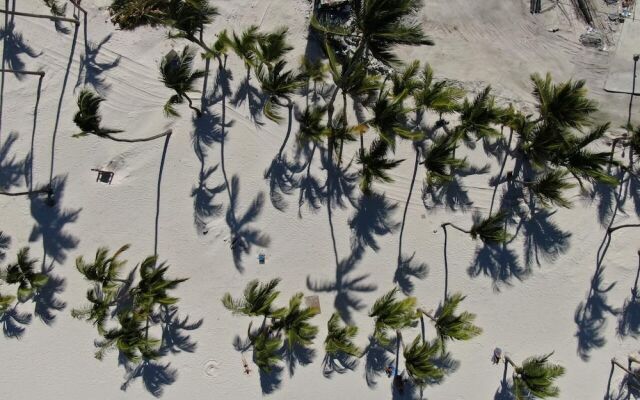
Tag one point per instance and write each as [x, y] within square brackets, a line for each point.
[535, 378]
[340, 338]
[177, 74]
[257, 299]
[22, 272]
[88, 117]
[392, 314]
[375, 165]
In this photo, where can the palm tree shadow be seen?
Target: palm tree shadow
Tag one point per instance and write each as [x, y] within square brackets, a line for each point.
[91, 70]
[11, 170]
[297, 355]
[204, 207]
[51, 221]
[338, 364]
[174, 338]
[590, 316]
[254, 97]
[453, 194]
[498, 262]
[377, 358]
[14, 323]
[46, 301]
[155, 376]
[628, 388]
[5, 242]
[271, 381]
[14, 47]
[542, 237]
[345, 286]
[372, 218]
[340, 186]
[407, 269]
[282, 180]
[311, 191]
[242, 236]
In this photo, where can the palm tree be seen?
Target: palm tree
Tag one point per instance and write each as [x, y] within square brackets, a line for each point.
[450, 326]
[266, 349]
[104, 270]
[279, 85]
[390, 117]
[312, 130]
[187, 17]
[88, 119]
[22, 272]
[340, 338]
[379, 26]
[420, 360]
[534, 379]
[130, 339]
[152, 288]
[257, 299]
[244, 46]
[548, 188]
[440, 161]
[177, 74]
[477, 118]
[392, 314]
[294, 322]
[99, 308]
[489, 229]
[375, 165]
[5, 303]
[272, 47]
[565, 104]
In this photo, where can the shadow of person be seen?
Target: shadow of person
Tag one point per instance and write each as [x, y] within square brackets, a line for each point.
[345, 286]
[242, 237]
[372, 217]
[14, 47]
[51, 222]
[91, 70]
[155, 376]
[46, 299]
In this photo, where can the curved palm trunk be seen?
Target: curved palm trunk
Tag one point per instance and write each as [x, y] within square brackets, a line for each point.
[196, 110]
[446, 263]
[147, 139]
[406, 205]
[286, 138]
[504, 163]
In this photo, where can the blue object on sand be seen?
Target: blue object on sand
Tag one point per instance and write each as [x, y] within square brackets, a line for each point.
[261, 258]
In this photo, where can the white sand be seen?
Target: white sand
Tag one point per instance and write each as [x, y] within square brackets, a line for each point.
[478, 42]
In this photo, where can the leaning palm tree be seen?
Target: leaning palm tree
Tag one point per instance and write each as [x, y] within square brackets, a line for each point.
[188, 17]
[130, 338]
[420, 360]
[448, 324]
[375, 165]
[489, 229]
[104, 270]
[279, 85]
[152, 289]
[272, 47]
[177, 74]
[244, 45]
[89, 120]
[340, 338]
[477, 118]
[535, 378]
[293, 320]
[99, 308]
[5, 302]
[379, 26]
[392, 314]
[266, 349]
[548, 188]
[257, 299]
[22, 273]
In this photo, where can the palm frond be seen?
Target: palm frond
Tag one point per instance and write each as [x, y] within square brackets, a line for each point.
[375, 165]
[294, 322]
[391, 314]
[490, 229]
[536, 378]
[548, 188]
[420, 361]
[257, 299]
[452, 326]
[340, 338]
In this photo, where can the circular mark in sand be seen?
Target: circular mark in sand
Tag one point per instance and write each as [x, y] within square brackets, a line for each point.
[211, 368]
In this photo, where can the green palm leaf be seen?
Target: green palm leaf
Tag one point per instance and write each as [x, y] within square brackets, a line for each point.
[490, 229]
[536, 377]
[257, 299]
[88, 117]
[266, 350]
[375, 165]
[420, 361]
[564, 104]
[294, 322]
[452, 326]
[22, 272]
[340, 338]
[440, 162]
[392, 314]
[548, 188]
